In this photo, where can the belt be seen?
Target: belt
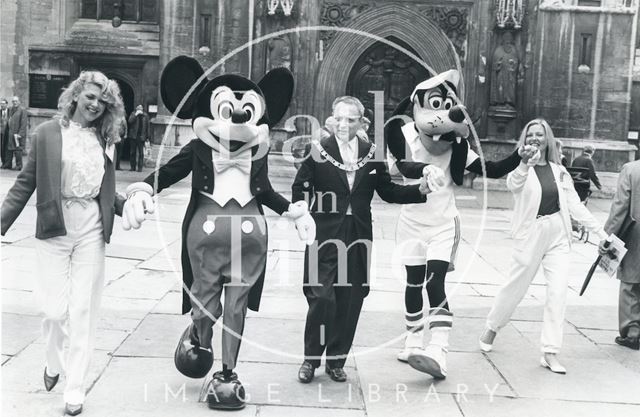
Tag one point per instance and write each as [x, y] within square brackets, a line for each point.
[84, 202]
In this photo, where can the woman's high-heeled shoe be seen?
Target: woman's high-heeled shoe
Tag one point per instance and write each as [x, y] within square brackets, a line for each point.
[72, 409]
[549, 360]
[50, 381]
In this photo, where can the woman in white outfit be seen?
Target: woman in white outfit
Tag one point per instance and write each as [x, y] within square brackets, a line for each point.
[71, 169]
[545, 202]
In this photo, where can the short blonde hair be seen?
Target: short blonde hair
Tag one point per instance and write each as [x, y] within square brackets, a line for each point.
[552, 153]
[108, 124]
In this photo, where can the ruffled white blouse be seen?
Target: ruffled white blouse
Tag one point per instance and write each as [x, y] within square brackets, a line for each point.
[82, 162]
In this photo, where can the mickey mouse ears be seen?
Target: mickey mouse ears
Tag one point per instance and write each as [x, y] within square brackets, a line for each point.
[451, 76]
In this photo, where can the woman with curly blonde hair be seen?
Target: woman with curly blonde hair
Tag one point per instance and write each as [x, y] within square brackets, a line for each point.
[71, 168]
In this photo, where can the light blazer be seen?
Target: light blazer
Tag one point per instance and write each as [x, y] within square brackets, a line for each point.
[43, 173]
[625, 207]
[527, 193]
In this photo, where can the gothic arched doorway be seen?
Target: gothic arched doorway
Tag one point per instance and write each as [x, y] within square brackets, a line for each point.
[384, 68]
[385, 21]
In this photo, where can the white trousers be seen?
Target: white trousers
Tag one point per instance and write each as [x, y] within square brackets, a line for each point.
[69, 282]
[546, 244]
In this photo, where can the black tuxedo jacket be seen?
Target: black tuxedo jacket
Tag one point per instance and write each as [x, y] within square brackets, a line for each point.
[325, 187]
[196, 158]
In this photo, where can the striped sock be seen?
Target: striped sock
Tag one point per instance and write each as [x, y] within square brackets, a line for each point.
[440, 317]
[414, 321]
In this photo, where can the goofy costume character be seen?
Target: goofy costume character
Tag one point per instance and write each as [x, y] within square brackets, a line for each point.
[433, 144]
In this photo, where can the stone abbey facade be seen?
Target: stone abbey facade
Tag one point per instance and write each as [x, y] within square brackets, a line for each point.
[569, 61]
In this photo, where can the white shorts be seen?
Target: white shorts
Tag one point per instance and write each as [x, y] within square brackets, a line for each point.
[419, 243]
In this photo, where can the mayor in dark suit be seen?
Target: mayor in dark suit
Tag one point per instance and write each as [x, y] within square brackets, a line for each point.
[337, 179]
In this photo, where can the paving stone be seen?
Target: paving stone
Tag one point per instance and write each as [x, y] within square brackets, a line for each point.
[156, 336]
[284, 411]
[171, 303]
[18, 331]
[19, 302]
[289, 307]
[143, 284]
[469, 372]
[147, 387]
[160, 262]
[522, 370]
[23, 373]
[626, 357]
[115, 250]
[117, 323]
[599, 317]
[536, 327]
[264, 379]
[477, 406]
[117, 308]
[18, 404]
[411, 403]
[601, 337]
[117, 267]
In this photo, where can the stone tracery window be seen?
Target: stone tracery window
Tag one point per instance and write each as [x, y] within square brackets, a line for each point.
[133, 11]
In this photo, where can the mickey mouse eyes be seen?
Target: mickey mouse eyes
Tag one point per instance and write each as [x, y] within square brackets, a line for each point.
[249, 109]
[225, 110]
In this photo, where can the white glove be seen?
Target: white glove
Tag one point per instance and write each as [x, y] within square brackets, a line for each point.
[139, 202]
[297, 209]
[434, 177]
[306, 227]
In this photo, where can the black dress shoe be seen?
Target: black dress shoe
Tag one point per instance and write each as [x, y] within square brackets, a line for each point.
[50, 381]
[306, 372]
[630, 342]
[337, 374]
[72, 409]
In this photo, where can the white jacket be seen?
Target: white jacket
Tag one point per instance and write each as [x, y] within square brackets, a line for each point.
[527, 193]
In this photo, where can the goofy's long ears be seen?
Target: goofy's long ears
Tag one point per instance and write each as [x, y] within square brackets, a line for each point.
[458, 165]
[393, 136]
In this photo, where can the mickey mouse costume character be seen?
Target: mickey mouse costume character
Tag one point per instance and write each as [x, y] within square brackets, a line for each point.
[224, 234]
[429, 232]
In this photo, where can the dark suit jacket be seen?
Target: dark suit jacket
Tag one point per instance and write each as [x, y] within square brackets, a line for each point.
[321, 181]
[42, 172]
[196, 158]
[17, 125]
[134, 122]
[586, 162]
[4, 121]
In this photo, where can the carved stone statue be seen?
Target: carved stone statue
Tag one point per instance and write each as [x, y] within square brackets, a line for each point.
[504, 73]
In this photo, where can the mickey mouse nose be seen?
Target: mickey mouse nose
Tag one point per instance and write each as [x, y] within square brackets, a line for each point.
[239, 116]
[456, 114]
